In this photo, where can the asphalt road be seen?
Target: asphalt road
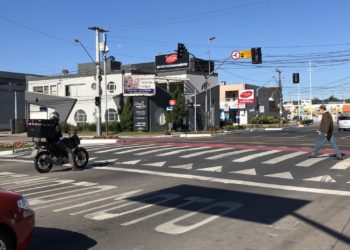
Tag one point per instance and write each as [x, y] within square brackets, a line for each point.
[250, 190]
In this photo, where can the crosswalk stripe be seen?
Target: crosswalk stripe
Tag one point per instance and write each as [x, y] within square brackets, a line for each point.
[155, 164]
[250, 171]
[312, 161]
[184, 166]
[121, 147]
[157, 150]
[212, 169]
[137, 149]
[205, 152]
[254, 156]
[181, 150]
[322, 178]
[344, 164]
[283, 157]
[219, 156]
[128, 162]
[284, 175]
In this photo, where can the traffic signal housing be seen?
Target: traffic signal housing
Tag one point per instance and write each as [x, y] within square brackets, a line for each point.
[296, 78]
[181, 50]
[256, 56]
[97, 101]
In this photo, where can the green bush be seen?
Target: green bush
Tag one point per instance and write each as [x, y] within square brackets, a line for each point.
[263, 120]
[232, 127]
[212, 127]
[306, 121]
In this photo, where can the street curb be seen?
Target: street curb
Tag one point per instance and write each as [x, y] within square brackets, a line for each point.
[7, 152]
[273, 129]
[195, 135]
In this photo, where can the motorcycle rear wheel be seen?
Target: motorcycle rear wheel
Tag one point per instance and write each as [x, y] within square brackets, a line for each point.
[81, 158]
[43, 162]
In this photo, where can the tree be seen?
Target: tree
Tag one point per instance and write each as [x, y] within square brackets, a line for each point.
[316, 100]
[177, 115]
[126, 116]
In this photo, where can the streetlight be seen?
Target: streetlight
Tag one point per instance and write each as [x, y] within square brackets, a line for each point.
[209, 73]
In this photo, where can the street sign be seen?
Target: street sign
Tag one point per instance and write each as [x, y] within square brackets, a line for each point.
[169, 108]
[246, 96]
[235, 55]
[245, 53]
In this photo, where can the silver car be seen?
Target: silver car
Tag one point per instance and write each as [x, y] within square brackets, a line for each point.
[343, 122]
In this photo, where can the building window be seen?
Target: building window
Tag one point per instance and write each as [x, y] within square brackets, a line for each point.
[53, 90]
[111, 87]
[93, 86]
[38, 89]
[80, 116]
[68, 90]
[111, 115]
[46, 90]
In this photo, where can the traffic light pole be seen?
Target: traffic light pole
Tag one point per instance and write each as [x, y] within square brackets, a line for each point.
[98, 78]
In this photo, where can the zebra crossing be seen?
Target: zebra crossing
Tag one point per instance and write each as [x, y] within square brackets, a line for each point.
[238, 159]
[95, 202]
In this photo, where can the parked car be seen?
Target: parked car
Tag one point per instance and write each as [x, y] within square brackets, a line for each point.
[17, 221]
[343, 122]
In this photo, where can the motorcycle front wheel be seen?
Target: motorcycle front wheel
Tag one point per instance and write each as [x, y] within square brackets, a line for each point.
[43, 162]
[81, 158]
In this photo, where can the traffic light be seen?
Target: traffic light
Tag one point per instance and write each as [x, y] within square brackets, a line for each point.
[256, 56]
[295, 77]
[97, 101]
[181, 50]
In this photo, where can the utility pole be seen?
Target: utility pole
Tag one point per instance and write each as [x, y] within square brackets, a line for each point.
[195, 109]
[310, 75]
[281, 96]
[98, 77]
[105, 50]
[209, 74]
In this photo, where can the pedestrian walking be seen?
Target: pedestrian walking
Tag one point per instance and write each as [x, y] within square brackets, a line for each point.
[325, 132]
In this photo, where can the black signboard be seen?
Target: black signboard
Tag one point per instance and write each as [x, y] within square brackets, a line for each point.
[140, 113]
[172, 62]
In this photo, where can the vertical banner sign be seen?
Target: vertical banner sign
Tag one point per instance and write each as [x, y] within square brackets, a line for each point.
[140, 113]
[246, 96]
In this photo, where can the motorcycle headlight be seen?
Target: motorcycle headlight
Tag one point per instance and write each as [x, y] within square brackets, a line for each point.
[23, 203]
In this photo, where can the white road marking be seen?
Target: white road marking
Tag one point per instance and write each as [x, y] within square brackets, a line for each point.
[219, 156]
[254, 156]
[181, 150]
[39, 200]
[155, 164]
[60, 182]
[105, 214]
[128, 162]
[312, 161]
[106, 161]
[284, 175]
[205, 152]
[171, 227]
[211, 169]
[114, 197]
[190, 200]
[158, 150]
[137, 149]
[250, 171]
[185, 166]
[322, 178]
[231, 181]
[121, 147]
[343, 164]
[283, 157]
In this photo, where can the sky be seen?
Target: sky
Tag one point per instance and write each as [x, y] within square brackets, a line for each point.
[38, 38]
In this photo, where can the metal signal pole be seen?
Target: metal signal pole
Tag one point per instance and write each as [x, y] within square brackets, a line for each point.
[281, 96]
[98, 77]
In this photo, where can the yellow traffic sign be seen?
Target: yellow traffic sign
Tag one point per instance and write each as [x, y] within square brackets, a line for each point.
[245, 53]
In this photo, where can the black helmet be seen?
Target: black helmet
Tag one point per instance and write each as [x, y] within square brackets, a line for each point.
[55, 116]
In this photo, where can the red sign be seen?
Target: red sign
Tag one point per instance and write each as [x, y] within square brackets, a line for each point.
[172, 102]
[171, 58]
[246, 96]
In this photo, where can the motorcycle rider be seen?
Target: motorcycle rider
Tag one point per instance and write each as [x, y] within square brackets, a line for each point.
[57, 142]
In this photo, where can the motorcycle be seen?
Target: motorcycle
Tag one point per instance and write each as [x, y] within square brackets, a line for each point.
[46, 155]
